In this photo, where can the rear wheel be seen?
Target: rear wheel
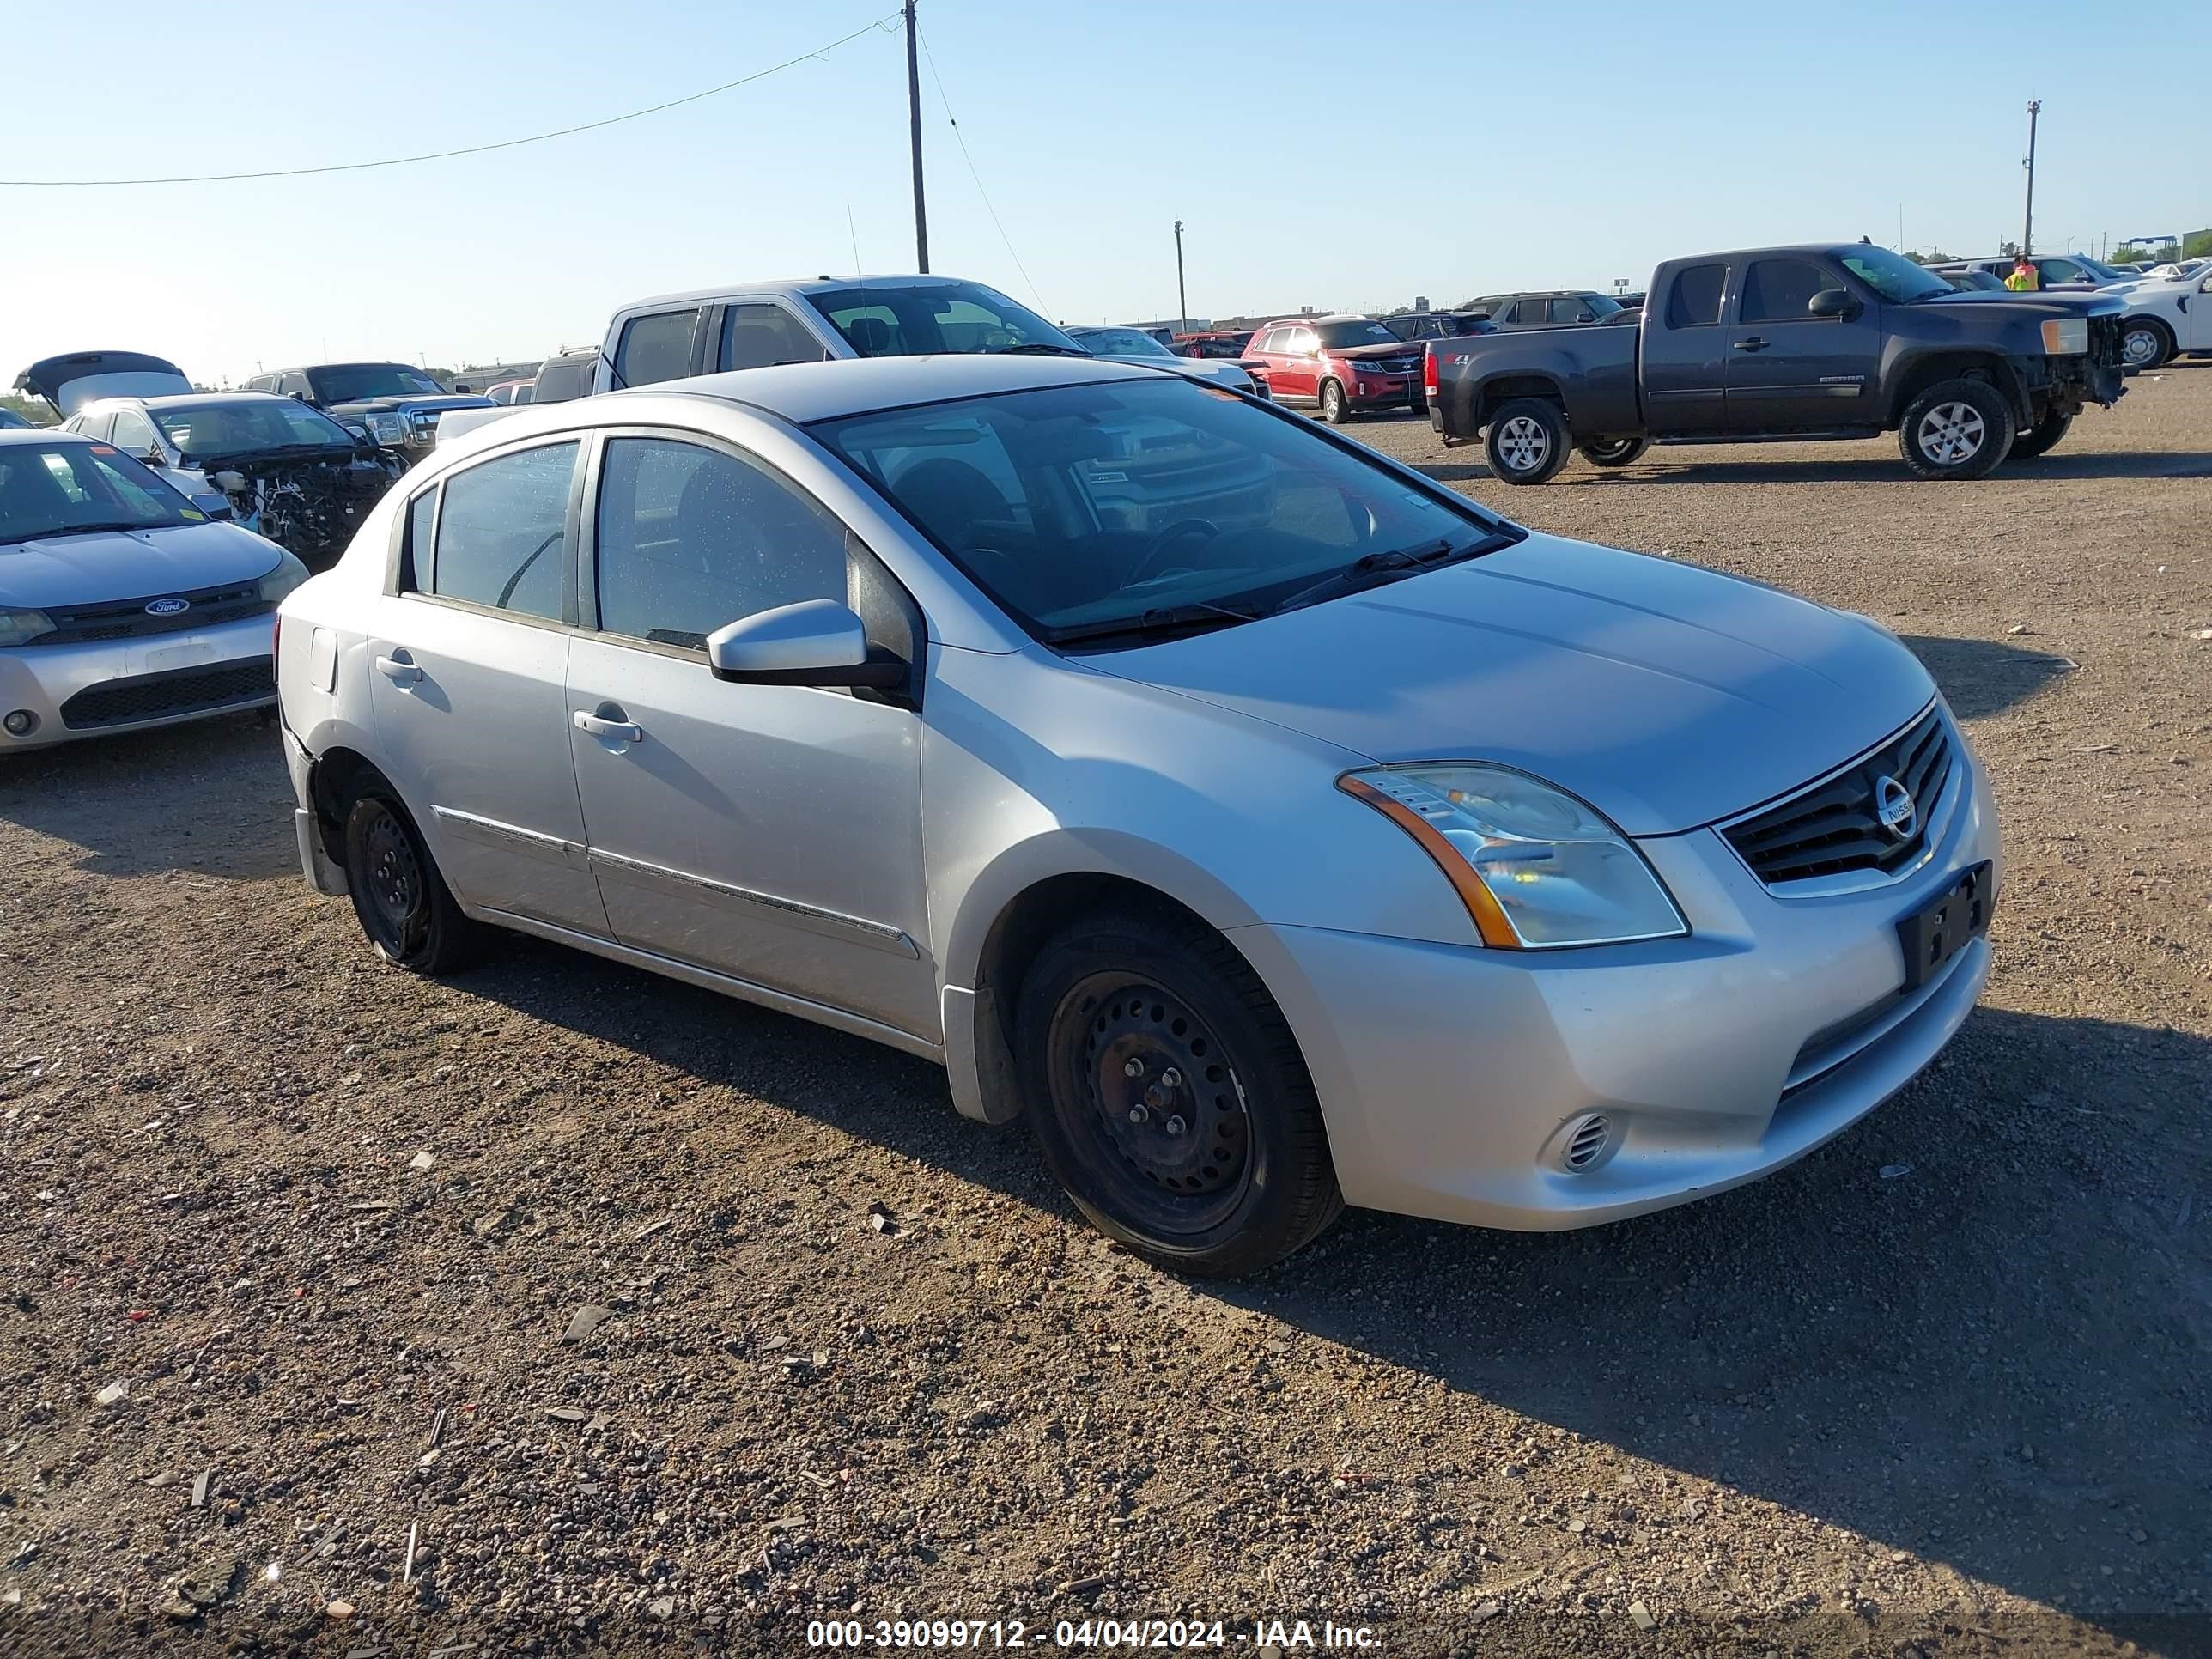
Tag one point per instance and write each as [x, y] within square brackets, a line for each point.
[2144, 343]
[399, 898]
[1620, 452]
[2040, 437]
[1956, 429]
[1333, 407]
[1526, 442]
[1170, 1097]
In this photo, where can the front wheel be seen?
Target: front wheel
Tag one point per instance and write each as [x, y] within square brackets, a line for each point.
[1333, 407]
[1956, 429]
[1527, 441]
[2043, 436]
[1620, 452]
[2144, 345]
[399, 898]
[1168, 1094]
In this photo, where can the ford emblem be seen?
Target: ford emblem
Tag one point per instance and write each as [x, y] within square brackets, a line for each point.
[168, 607]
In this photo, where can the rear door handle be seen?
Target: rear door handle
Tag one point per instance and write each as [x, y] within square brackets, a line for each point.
[1755, 343]
[619, 730]
[399, 671]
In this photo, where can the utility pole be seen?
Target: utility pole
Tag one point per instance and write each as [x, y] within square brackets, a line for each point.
[913, 116]
[1182, 300]
[2027, 227]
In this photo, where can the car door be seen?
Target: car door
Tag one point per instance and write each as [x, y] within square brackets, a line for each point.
[2196, 316]
[1791, 371]
[1298, 378]
[658, 345]
[760, 333]
[468, 665]
[1683, 361]
[768, 833]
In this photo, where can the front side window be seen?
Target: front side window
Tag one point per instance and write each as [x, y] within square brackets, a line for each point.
[761, 336]
[895, 321]
[1299, 343]
[1895, 278]
[1778, 291]
[294, 385]
[1572, 308]
[134, 434]
[1075, 507]
[502, 532]
[1696, 300]
[557, 383]
[656, 348]
[689, 538]
[71, 488]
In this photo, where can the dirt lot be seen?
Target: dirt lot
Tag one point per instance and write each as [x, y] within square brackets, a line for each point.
[1940, 1389]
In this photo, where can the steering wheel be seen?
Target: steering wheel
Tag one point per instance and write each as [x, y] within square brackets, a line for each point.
[1161, 543]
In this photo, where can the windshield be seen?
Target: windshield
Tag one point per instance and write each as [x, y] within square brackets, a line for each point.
[354, 383]
[67, 489]
[1891, 275]
[1338, 336]
[246, 429]
[1078, 506]
[893, 321]
[1127, 342]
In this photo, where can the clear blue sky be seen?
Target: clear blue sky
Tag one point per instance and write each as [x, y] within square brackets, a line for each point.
[1323, 155]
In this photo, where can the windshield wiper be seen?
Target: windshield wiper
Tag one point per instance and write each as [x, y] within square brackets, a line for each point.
[1394, 564]
[1161, 619]
[1038, 349]
[81, 530]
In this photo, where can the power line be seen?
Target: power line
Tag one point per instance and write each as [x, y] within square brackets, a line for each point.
[951, 121]
[471, 149]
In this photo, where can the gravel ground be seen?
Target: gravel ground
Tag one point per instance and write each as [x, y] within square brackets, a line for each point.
[658, 1322]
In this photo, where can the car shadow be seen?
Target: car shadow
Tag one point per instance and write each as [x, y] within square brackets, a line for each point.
[1980, 677]
[1659, 467]
[93, 793]
[1973, 1327]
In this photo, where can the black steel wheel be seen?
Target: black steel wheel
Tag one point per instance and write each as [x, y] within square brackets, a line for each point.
[399, 898]
[1169, 1096]
[1618, 451]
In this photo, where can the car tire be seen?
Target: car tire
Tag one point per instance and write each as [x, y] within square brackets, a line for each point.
[2144, 344]
[1210, 1156]
[1335, 408]
[1620, 453]
[399, 898]
[1956, 429]
[1526, 442]
[2041, 437]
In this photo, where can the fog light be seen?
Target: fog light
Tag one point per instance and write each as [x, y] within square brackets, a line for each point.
[20, 723]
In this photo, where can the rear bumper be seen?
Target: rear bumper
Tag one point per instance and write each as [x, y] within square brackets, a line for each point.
[104, 687]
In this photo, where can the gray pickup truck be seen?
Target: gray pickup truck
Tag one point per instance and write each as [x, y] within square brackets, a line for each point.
[1842, 341]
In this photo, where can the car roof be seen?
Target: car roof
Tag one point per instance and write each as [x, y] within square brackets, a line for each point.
[196, 399]
[803, 392]
[794, 287]
[46, 435]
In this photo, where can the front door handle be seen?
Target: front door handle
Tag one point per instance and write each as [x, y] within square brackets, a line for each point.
[400, 670]
[616, 730]
[1755, 343]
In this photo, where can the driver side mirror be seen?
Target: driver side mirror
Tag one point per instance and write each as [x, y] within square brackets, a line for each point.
[814, 642]
[153, 458]
[1832, 303]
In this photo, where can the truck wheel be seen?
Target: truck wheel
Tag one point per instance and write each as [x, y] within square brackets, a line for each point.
[2043, 436]
[1528, 440]
[1618, 451]
[1333, 409]
[2144, 343]
[1956, 429]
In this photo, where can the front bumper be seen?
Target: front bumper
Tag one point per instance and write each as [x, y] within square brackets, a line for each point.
[1451, 1078]
[100, 687]
[1386, 391]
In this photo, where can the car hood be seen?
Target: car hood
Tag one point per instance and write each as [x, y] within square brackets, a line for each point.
[129, 564]
[424, 400]
[1363, 354]
[2037, 305]
[1666, 696]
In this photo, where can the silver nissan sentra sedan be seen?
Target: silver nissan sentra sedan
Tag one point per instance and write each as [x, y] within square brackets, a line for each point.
[1275, 828]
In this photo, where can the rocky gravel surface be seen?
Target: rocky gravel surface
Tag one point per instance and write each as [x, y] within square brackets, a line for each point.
[558, 1308]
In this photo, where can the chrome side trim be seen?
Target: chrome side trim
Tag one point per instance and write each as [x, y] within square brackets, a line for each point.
[708, 979]
[680, 883]
[510, 837]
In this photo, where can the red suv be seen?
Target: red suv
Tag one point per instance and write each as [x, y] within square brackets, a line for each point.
[1340, 365]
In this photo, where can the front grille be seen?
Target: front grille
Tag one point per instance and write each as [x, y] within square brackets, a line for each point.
[1831, 827]
[181, 691]
[2105, 334]
[127, 619]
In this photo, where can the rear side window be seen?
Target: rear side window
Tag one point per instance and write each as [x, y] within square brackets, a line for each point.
[1778, 290]
[757, 336]
[656, 348]
[502, 535]
[1696, 300]
[689, 538]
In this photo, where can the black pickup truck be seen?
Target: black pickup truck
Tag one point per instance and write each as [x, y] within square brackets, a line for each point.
[397, 405]
[1842, 341]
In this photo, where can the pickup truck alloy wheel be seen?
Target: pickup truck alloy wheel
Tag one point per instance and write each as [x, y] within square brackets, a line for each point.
[1527, 441]
[2144, 345]
[1333, 410]
[1956, 429]
[399, 898]
[1169, 1096]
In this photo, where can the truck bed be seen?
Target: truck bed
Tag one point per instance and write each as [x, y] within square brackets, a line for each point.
[1591, 366]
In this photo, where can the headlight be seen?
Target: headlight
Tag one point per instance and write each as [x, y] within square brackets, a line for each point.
[1534, 867]
[2066, 336]
[387, 428]
[21, 626]
[288, 575]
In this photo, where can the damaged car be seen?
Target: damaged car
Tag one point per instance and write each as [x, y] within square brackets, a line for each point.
[397, 405]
